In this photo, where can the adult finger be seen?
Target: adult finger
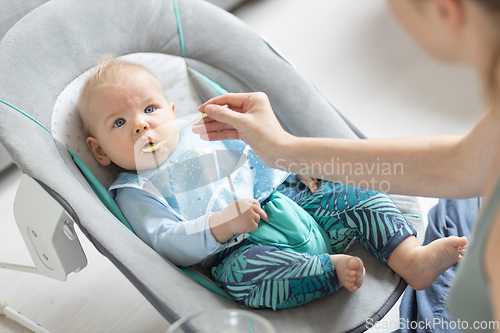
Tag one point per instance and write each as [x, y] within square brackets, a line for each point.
[213, 126]
[313, 185]
[222, 135]
[224, 115]
[232, 100]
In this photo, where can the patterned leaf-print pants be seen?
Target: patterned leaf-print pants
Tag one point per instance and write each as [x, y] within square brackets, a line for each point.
[260, 276]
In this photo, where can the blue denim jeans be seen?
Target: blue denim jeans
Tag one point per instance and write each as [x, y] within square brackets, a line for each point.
[425, 310]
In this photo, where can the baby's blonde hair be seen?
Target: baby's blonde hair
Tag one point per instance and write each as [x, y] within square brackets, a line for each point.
[108, 71]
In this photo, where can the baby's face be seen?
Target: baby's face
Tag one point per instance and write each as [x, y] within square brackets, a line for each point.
[128, 115]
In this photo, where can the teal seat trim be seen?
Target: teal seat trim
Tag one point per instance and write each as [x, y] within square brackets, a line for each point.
[215, 86]
[179, 27]
[100, 190]
[203, 281]
[25, 114]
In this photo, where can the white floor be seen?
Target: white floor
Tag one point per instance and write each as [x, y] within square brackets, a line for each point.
[355, 54]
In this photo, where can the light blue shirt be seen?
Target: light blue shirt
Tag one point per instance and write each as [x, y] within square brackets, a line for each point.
[169, 207]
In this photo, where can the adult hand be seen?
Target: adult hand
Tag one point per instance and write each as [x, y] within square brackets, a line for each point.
[248, 117]
[310, 182]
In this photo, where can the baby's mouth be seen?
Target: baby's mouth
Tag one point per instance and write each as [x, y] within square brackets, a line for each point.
[149, 144]
[151, 147]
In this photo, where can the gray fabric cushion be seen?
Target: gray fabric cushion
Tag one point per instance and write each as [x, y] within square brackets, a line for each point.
[60, 40]
[227, 4]
[11, 12]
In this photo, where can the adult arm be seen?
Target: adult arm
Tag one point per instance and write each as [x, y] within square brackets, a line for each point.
[440, 166]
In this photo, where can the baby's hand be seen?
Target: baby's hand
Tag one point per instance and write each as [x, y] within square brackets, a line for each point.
[310, 182]
[241, 216]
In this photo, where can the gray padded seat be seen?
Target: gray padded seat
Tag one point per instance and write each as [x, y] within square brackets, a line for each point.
[60, 40]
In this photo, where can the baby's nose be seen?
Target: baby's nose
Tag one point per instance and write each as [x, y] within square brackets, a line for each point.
[141, 127]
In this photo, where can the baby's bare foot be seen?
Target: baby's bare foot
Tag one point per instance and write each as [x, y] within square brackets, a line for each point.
[350, 271]
[422, 265]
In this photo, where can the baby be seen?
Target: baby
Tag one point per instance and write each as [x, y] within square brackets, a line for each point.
[193, 210]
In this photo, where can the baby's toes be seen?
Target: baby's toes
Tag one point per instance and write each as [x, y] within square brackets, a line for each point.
[354, 264]
[461, 241]
[357, 272]
[350, 284]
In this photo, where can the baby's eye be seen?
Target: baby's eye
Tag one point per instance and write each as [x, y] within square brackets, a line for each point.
[149, 109]
[119, 122]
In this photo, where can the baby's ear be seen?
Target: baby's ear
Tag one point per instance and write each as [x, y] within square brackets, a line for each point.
[97, 151]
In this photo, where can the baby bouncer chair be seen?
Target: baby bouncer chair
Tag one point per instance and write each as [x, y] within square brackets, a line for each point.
[42, 59]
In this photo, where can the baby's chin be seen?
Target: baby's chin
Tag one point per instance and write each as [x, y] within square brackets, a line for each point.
[149, 160]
